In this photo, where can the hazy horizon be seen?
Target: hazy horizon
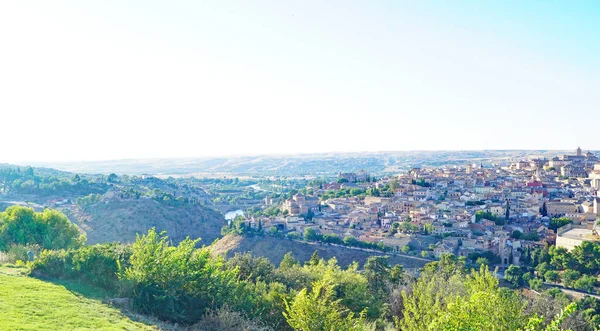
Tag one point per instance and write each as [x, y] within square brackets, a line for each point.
[275, 155]
[112, 80]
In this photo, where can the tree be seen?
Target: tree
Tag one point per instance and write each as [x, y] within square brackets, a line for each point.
[112, 178]
[310, 234]
[560, 258]
[272, 232]
[351, 241]
[544, 210]
[444, 298]
[314, 259]
[552, 276]
[587, 257]
[570, 276]
[536, 284]
[176, 283]
[514, 275]
[288, 261]
[405, 249]
[516, 234]
[556, 223]
[585, 283]
[319, 310]
[49, 229]
[251, 268]
[482, 261]
[507, 214]
[535, 323]
[377, 271]
[542, 268]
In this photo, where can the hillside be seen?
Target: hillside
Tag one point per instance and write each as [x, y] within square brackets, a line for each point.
[121, 219]
[31, 304]
[274, 249]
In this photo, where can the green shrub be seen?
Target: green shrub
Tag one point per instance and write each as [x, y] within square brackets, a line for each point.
[98, 265]
[176, 283]
[16, 253]
[49, 229]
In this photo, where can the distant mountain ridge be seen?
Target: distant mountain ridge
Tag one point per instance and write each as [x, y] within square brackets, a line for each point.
[300, 164]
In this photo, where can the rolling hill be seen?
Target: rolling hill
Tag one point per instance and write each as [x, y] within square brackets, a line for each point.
[121, 219]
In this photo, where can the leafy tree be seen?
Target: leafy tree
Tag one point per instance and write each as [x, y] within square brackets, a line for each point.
[585, 283]
[377, 271]
[314, 259]
[560, 258]
[556, 223]
[251, 268]
[482, 261]
[570, 276]
[310, 234]
[288, 261]
[293, 236]
[536, 284]
[542, 268]
[350, 241]
[587, 257]
[179, 283]
[49, 229]
[535, 323]
[444, 298]
[318, 309]
[552, 276]
[112, 178]
[514, 275]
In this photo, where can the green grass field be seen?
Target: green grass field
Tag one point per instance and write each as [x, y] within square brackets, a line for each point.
[31, 304]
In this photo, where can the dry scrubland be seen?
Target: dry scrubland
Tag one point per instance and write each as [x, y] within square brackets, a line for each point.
[274, 249]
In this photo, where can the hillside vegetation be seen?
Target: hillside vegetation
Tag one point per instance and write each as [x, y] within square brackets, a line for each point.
[31, 304]
[199, 290]
[119, 220]
[274, 249]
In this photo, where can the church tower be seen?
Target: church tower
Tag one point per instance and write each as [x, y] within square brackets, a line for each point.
[579, 151]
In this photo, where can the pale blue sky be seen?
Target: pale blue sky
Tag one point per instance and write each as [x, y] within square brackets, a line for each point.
[92, 80]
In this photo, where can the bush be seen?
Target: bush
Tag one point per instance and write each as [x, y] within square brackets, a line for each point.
[49, 229]
[98, 265]
[226, 320]
[552, 276]
[536, 284]
[20, 252]
[569, 277]
[585, 283]
[176, 283]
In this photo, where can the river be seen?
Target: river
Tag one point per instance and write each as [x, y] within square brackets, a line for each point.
[232, 214]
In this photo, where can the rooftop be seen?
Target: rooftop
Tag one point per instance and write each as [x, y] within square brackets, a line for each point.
[579, 234]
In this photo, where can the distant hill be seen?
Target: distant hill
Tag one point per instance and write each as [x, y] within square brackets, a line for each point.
[121, 219]
[274, 249]
[300, 164]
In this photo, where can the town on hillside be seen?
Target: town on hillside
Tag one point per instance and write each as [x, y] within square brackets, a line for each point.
[502, 212]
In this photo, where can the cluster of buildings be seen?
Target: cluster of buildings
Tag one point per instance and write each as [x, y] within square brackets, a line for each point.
[460, 209]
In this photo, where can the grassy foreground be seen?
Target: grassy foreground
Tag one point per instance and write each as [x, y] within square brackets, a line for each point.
[30, 304]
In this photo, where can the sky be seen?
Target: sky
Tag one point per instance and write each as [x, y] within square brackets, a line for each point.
[100, 80]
